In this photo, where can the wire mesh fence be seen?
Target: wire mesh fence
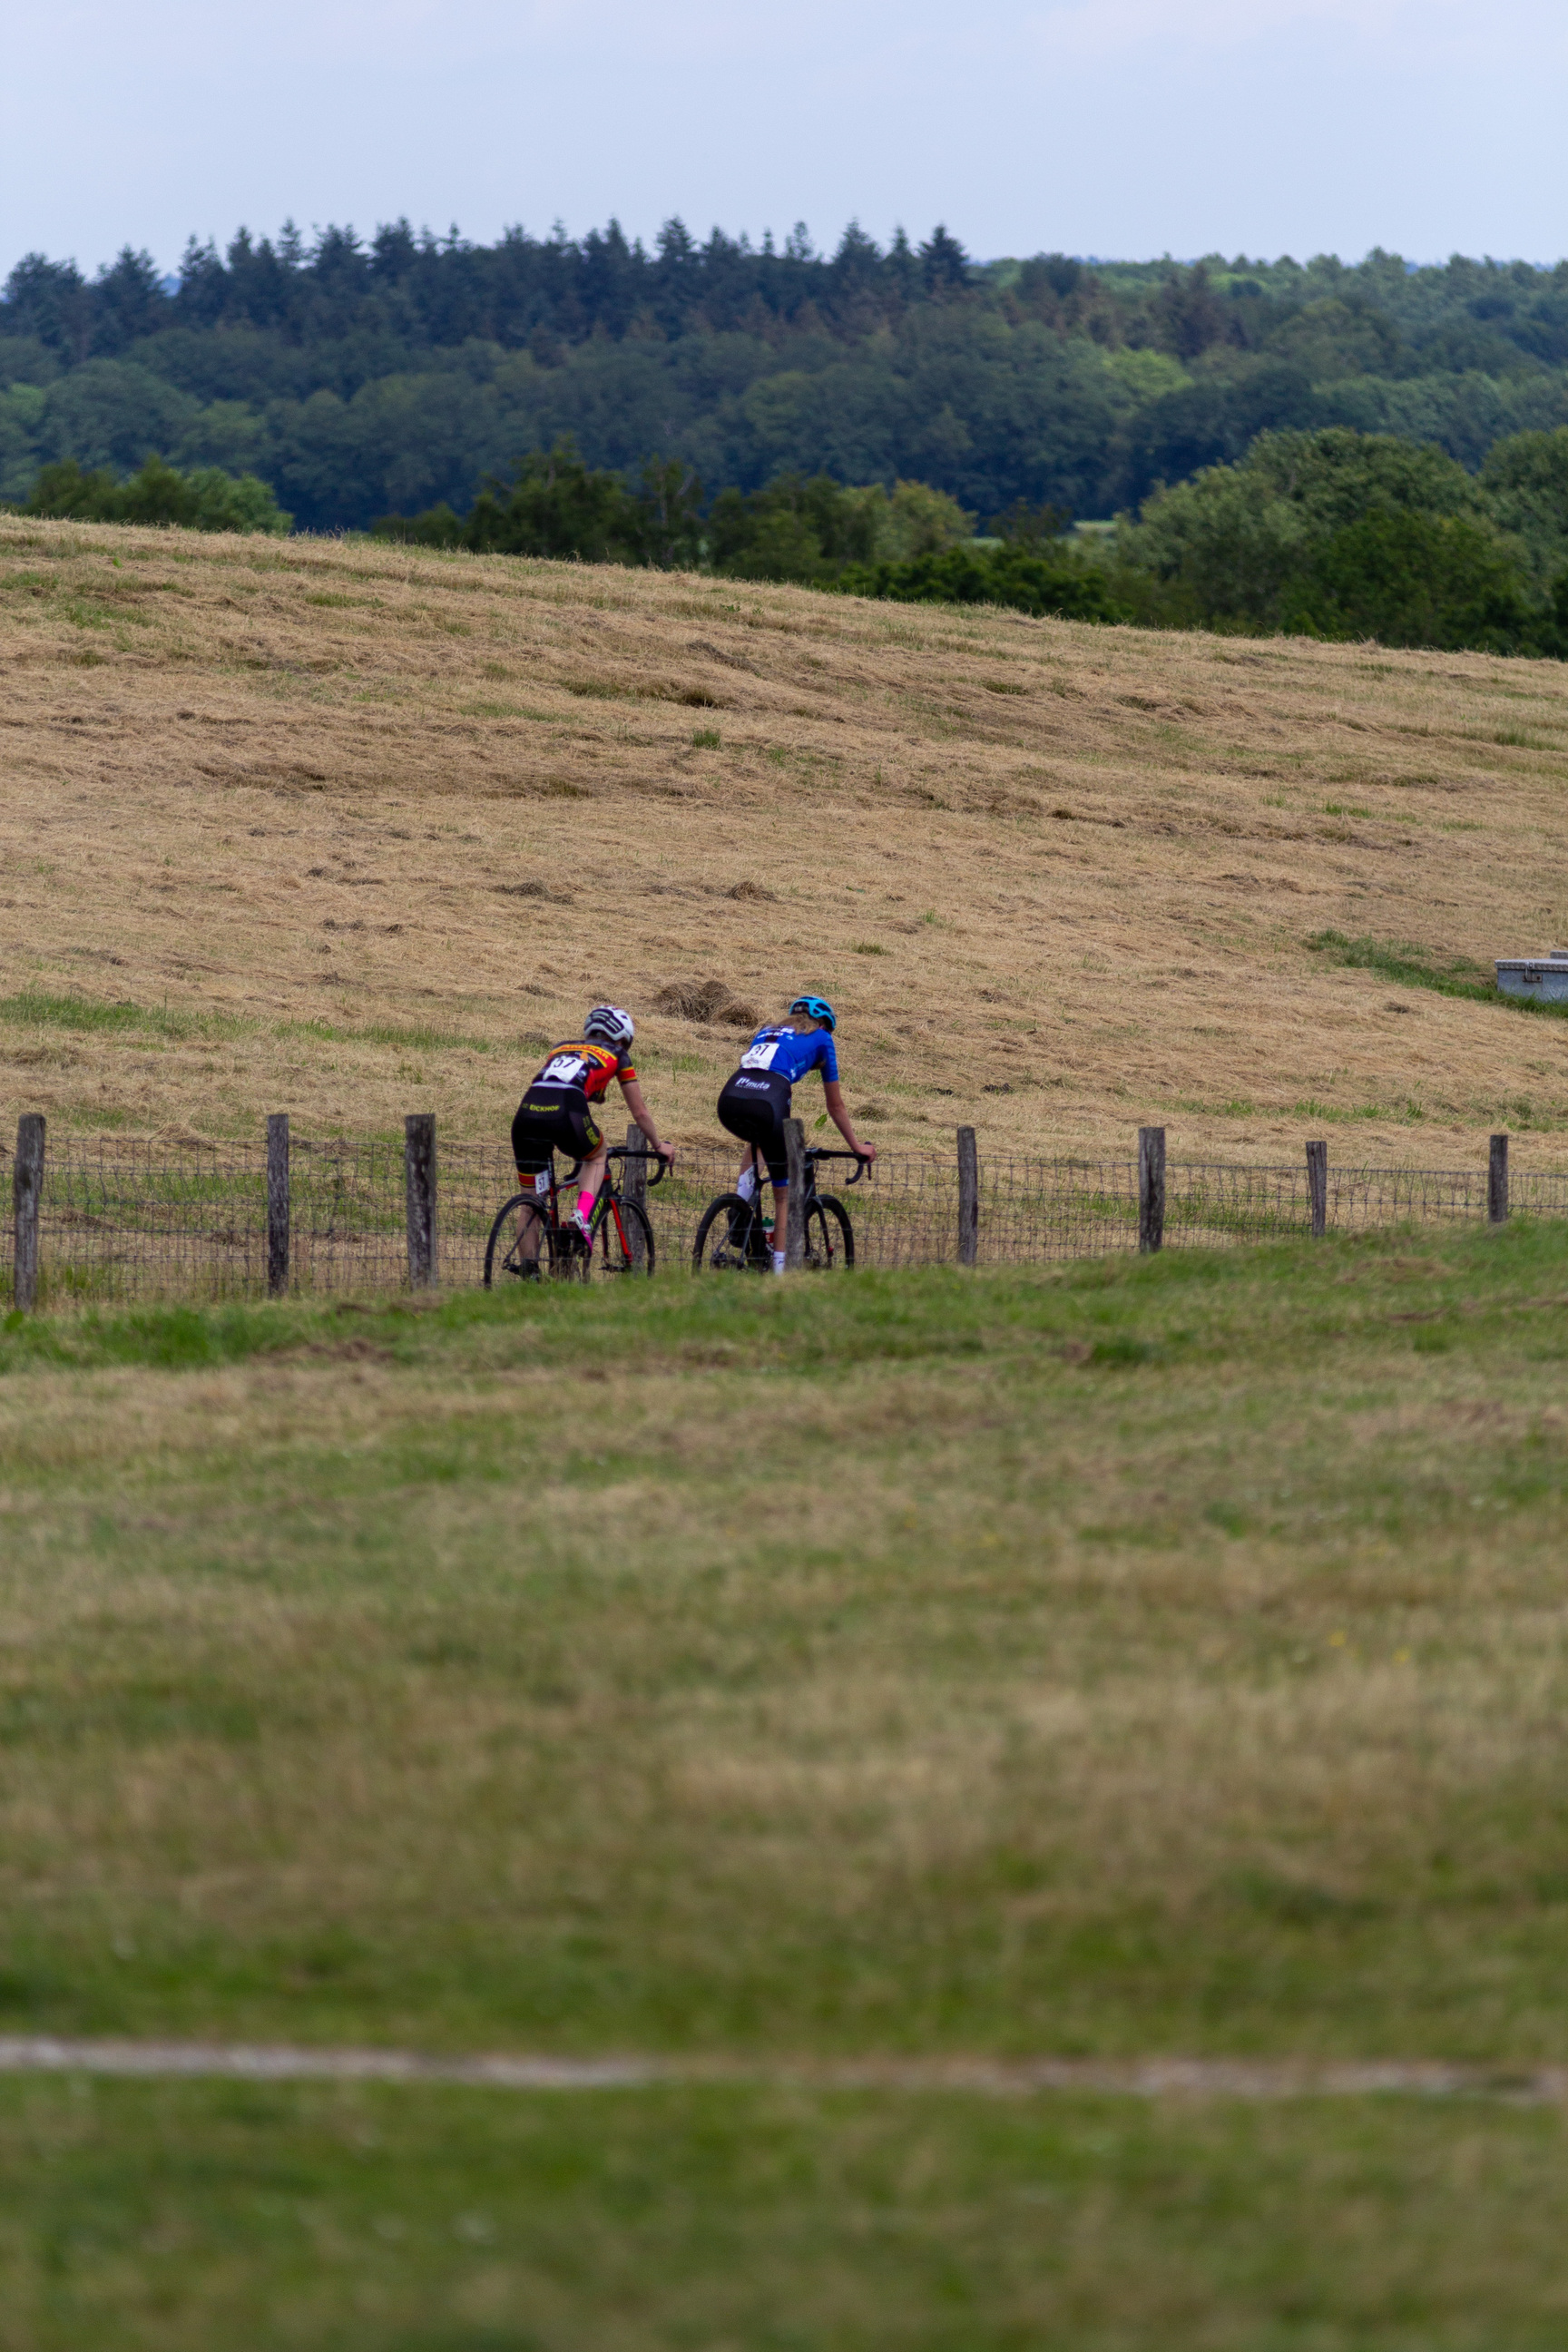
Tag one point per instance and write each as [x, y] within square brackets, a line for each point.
[122, 1221]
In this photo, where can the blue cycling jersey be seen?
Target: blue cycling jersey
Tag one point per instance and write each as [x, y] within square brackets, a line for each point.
[790, 1055]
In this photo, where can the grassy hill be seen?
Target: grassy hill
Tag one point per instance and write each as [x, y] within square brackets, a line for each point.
[350, 832]
[919, 1672]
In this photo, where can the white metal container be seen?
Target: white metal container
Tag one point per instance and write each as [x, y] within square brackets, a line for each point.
[1545, 977]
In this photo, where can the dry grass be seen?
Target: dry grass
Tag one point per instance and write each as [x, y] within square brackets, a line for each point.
[430, 805]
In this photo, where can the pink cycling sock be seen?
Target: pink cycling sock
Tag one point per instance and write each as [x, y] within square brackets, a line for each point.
[585, 1200]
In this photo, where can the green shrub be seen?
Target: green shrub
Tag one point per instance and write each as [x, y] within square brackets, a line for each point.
[1346, 535]
[1412, 580]
[1525, 484]
[1059, 581]
[796, 527]
[554, 505]
[205, 500]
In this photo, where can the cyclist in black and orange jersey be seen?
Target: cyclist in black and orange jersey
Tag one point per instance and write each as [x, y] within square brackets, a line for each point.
[556, 1114]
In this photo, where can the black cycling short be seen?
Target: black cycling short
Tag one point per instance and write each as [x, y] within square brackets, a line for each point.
[754, 1105]
[552, 1119]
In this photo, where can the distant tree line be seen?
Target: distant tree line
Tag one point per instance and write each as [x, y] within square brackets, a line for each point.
[1333, 534]
[915, 543]
[363, 377]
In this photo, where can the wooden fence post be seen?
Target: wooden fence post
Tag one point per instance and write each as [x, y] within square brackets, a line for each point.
[1497, 1181]
[419, 1173]
[27, 1191]
[794, 1237]
[968, 1198]
[635, 1186]
[1318, 1186]
[278, 1204]
[1151, 1188]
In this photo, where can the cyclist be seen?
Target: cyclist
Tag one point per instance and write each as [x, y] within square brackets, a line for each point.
[755, 1102]
[556, 1114]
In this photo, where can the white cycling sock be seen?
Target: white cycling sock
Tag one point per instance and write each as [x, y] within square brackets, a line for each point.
[778, 1261]
[748, 1183]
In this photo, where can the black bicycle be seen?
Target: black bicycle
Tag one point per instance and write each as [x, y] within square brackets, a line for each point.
[733, 1238]
[619, 1240]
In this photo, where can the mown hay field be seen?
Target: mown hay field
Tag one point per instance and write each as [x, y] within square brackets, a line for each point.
[351, 830]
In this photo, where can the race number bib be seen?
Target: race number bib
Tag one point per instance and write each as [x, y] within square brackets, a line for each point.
[564, 1070]
[760, 1056]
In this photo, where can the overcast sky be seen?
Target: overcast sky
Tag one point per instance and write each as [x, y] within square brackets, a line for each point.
[1108, 127]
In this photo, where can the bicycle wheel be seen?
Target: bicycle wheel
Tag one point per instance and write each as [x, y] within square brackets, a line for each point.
[502, 1251]
[729, 1240]
[829, 1235]
[622, 1241]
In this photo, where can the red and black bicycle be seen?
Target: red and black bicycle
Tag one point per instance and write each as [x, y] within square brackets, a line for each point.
[531, 1241]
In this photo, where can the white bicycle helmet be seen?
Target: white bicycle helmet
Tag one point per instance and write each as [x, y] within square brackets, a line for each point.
[609, 1024]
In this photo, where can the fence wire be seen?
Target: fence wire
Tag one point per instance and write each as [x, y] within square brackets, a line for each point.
[120, 1221]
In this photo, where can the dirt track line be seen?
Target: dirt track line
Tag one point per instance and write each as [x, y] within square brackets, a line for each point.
[1133, 2078]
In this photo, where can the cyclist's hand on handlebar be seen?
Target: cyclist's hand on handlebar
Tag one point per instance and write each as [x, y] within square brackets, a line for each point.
[866, 1150]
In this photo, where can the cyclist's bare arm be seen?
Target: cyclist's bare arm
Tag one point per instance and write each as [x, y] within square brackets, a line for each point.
[837, 1112]
[644, 1117]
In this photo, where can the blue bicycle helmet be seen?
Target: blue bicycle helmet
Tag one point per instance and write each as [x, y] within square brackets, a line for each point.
[816, 1008]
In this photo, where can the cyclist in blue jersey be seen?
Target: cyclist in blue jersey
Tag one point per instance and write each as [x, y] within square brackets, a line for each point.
[755, 1102]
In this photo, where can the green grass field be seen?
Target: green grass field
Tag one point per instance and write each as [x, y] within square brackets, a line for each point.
[178, 2219]
[1131, 1658]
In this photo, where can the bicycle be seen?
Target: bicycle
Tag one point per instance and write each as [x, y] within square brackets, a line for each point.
[619, 1239]
[733, 1238]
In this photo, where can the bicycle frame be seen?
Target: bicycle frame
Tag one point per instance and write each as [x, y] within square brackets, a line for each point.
[545, 1208]
[749, 1236]
[761, 1235]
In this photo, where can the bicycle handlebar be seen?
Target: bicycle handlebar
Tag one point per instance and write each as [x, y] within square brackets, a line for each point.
[626, 1152]
[862, 1164]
